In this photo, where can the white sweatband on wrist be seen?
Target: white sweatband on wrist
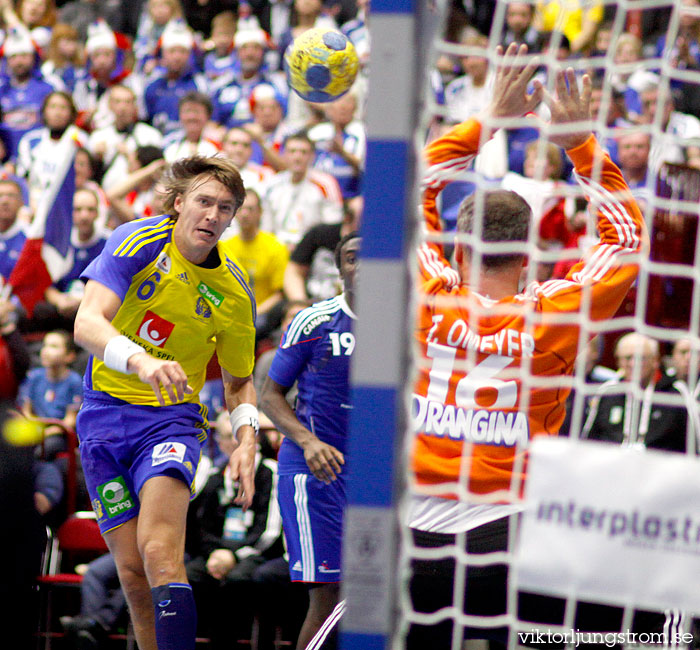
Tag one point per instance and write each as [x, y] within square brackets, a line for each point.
[244, 414]
[118, 351]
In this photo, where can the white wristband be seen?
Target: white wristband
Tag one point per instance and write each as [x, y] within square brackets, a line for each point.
[244, 414]
[118, 351]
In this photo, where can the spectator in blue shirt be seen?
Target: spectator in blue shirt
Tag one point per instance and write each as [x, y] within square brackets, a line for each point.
[174, 79]
[54, 390]
[22, 92]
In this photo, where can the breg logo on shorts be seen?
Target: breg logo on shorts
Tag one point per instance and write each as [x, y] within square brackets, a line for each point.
[115, 497]
[166, 451]
[155, 329]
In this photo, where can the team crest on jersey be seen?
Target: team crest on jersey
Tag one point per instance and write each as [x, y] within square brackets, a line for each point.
[154, 329]
[163, 263]
[166, 451]
[202, 308]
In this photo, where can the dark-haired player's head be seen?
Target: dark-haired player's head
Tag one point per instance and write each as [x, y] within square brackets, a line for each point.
[506, 219]
[347, 259]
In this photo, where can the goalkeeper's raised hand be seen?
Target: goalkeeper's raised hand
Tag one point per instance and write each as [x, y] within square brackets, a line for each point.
[510, 90]
[570, 107]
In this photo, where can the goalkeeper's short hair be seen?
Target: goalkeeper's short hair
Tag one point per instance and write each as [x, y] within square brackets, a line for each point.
[506, 218]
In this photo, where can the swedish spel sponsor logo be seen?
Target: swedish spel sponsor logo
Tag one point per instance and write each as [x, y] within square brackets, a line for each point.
[212, 296]
[115, 496]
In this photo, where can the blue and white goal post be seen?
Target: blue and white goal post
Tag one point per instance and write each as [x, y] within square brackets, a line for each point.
[401, 34]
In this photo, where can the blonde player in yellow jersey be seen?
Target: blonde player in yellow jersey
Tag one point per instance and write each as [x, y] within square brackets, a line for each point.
[480, 337]
[163, 296]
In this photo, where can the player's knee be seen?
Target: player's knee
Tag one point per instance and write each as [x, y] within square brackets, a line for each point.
[160, 562]
[132, 578]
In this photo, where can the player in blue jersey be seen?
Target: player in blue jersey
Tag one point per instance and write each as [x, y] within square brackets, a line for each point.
[315, 352]
[162, 297]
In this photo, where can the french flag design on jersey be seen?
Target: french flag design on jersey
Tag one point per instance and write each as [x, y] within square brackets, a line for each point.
[47, 255]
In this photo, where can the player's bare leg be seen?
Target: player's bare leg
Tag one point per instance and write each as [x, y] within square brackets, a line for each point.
[322, 600]
[132, 576]
[161, 543]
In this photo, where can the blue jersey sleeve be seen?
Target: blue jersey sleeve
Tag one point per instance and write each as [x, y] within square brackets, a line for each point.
[126, 252]
[292, 356]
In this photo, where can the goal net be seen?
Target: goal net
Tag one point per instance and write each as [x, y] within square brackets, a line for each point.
[644, 113]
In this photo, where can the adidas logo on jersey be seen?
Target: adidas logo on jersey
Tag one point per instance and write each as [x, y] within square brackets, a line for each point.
[297, 566]
[183, 277]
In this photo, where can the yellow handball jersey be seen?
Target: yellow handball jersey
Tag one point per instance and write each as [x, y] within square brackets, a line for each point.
[173, 308]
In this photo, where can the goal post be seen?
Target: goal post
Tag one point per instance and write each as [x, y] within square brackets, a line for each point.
[377, 547]
[381, 360]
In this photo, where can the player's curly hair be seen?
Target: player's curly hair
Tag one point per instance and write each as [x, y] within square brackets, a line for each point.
[507, 218]
[183, 173]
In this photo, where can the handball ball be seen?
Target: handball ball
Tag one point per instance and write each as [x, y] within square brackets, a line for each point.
[321, 64]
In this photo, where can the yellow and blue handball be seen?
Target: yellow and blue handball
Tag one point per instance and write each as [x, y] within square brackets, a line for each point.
[321, 64]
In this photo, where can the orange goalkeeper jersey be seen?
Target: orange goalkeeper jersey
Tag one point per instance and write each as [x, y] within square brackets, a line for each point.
[489, 371]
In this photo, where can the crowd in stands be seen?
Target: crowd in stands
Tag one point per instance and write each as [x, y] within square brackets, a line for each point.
[648, 120]
[141, 83]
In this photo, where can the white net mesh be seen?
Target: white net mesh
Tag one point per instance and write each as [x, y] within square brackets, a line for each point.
[644, 58]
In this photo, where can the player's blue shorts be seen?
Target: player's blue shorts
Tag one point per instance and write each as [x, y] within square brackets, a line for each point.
[312, 516]
[123, 445]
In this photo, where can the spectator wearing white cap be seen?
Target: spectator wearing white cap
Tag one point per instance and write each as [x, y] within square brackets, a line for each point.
[232, 101]
[38, 17]
[108, 54]
[23, 90]
[174, 78]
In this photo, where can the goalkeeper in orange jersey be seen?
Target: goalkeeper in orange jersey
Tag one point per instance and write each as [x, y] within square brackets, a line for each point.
[491, 353]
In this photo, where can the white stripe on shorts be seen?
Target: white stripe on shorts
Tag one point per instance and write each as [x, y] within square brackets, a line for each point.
[306, 538]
